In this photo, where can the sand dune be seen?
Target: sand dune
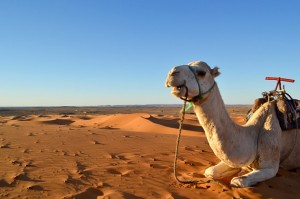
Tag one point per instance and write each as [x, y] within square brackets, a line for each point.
[114, 156]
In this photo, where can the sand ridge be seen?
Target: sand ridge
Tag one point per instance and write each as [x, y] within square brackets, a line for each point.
[114, 156]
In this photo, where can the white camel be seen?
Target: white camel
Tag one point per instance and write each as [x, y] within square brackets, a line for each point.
[259, 145]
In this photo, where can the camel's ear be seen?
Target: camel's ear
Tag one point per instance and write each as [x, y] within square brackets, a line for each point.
[215, 72]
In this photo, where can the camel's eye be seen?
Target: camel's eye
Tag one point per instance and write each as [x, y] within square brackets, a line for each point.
[201, 73]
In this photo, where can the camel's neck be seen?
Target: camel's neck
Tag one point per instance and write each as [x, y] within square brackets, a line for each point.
[225, 137]
[213, 116]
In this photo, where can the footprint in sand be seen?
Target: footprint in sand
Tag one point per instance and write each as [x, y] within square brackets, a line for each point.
[35, 188]
[165, 154]
[80, 167]
[80, 171]
[111, 193]
[3, 183]
[118, 156]
[188, 148]
[109, 128]
[101, 184]
[16, 162]
[192, 163]
[114, 171]
[90, 192]
[25, 151]
[63, 153]
[72, 180]
[158, 166]
[120, 171]
[96, 142]
[27, 163]
[37, 141]
[5, 146]
[22, 176]
[30, 134]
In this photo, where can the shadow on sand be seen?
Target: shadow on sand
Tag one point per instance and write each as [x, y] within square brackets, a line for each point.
[59, 122]
[174, 123]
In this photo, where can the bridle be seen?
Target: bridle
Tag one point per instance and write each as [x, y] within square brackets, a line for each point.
[200, 94]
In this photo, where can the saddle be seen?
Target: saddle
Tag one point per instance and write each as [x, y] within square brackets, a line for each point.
[288, 113]
[287, 109]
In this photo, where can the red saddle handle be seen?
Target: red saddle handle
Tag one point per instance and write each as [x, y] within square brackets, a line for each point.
[279, 79]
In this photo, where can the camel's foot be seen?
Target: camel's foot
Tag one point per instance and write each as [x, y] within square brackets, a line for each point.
[220, 171]
[240, 182]
[253, 177]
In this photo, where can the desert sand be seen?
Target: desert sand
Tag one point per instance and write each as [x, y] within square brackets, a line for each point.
[118, 153]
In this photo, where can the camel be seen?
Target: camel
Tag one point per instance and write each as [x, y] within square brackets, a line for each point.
[260, 145]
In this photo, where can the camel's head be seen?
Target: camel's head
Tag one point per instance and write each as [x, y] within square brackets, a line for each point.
[193, 81]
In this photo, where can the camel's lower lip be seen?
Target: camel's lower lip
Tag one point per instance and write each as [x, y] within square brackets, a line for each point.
[177, 89]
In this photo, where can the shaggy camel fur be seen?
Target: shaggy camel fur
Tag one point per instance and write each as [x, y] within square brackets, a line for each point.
[259, 145]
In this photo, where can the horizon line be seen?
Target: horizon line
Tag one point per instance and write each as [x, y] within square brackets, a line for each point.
[118, 105]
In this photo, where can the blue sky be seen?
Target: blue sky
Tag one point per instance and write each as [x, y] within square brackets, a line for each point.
[55, 53]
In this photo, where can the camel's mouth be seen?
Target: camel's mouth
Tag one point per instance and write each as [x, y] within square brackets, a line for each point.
[178, 85]
[178, 90]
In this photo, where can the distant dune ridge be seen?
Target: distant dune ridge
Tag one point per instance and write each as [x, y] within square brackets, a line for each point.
[114, 153]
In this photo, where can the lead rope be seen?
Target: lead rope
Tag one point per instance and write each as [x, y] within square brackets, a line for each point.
[192, 181]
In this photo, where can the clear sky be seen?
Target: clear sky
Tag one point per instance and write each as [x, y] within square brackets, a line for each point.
[114, 52]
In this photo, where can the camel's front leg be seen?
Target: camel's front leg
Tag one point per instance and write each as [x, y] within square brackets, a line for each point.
[220, 171]
[268, 154]
[253, 177]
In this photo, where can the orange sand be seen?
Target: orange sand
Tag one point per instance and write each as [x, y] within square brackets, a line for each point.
[114, 156]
